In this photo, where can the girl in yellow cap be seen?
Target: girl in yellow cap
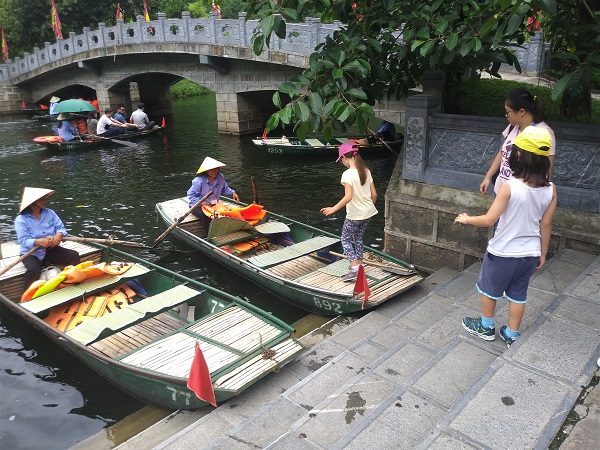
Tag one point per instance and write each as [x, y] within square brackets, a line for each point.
[524, 208]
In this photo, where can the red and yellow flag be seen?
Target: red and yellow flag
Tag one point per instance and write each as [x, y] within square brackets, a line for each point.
[119, 14]
[4, 47]
[146, 15]
[56, 26]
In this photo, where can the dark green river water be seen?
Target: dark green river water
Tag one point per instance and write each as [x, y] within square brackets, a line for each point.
[49, 399]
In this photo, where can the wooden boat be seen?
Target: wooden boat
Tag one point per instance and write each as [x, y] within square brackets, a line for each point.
[293, 146]
[90, 140]
[290, 259]
[146, 348]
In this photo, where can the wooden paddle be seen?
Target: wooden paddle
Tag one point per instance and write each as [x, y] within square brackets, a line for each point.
[178, 221]
[95, 137]
[382, 266]
[18, 260]
[255, 200]
[109, 241]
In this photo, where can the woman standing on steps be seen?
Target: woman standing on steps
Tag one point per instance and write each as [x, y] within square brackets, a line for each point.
[524, 208]
[522, 109]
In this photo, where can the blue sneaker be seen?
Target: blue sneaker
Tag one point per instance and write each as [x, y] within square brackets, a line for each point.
[509, 340]
[474, 326]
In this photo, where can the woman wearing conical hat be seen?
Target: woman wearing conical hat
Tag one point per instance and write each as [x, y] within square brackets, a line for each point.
[39, 226]
[208, 179]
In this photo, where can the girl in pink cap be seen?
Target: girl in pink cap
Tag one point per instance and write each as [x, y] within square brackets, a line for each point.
[359, 199]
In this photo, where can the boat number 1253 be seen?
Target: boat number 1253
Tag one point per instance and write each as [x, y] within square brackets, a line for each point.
[327, 305]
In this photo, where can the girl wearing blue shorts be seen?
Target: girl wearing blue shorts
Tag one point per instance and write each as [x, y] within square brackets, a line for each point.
[524, 208]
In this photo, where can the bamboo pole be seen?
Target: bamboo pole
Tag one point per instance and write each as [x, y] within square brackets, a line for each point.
[109, 241]
[19, 259]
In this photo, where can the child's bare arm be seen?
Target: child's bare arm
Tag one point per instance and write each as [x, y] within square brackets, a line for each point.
[329, 210]
[546, 228]
[491, 217]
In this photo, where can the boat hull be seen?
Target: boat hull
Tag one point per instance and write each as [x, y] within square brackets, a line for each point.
[145, 366]
[296, 147]
[92, 142]
[334, 300]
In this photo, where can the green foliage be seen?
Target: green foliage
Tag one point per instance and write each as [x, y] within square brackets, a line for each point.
[368, 59]
[187, 88]
[485, 97]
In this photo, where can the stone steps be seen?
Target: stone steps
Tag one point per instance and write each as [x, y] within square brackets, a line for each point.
[407, 375]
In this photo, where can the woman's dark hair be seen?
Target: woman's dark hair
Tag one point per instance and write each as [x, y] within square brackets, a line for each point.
[530, 167]
[360, 166]
[521, 98]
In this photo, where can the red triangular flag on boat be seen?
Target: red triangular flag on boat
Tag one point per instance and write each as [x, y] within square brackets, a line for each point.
[164, 123]
[362, 285]
[23, 105]
[199, 380]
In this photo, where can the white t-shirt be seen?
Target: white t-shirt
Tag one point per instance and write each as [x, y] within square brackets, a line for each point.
[509, 136]
[101, 127]
[518, 232]
[361, 206]
[139, 117]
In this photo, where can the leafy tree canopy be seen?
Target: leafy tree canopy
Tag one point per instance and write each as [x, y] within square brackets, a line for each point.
[384, 48]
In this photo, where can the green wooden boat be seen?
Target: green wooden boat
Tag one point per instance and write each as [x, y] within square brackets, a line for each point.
[91, 140]
[146, 348]
[294, 261]
[293, 146]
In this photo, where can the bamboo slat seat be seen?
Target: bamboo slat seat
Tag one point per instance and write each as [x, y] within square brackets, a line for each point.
[315, 142]
[89, 286]
[293, 251]
[91, 330]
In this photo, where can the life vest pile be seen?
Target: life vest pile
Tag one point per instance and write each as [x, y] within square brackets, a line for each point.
[68, 316]
[252, 213]
[72, 275]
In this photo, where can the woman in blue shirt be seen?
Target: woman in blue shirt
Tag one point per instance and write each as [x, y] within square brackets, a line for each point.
[39, 226]
[65, 129]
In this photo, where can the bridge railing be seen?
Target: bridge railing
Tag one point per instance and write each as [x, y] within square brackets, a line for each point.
[301, 38]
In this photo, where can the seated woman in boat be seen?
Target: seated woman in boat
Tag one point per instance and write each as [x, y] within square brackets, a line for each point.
[39, 226]
[208, 179]
[65, 129]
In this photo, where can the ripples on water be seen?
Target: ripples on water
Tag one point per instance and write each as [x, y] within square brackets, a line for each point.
[112, 191]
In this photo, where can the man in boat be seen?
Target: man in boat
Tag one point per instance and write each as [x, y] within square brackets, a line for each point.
[208, 179]
[120, 117]
[39, 226]
[66, 130]
[140, 119]
[387, 131]
[107, 126]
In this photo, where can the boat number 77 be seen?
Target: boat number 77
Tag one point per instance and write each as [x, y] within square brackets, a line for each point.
[327, 305]
[176, 392]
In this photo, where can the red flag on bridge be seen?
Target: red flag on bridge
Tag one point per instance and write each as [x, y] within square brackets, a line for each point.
[119, 14]
[56, 26]
[4, 47]
[199, 379]
[217, 9]
[146, 15]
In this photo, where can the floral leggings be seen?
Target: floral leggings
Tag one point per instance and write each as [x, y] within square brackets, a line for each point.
[352, 238]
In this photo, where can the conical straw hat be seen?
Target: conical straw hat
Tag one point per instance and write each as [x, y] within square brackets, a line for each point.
[54, 99]
[209, 163]
[32, 195]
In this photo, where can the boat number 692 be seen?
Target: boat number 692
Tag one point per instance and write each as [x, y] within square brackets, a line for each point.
[327, 305]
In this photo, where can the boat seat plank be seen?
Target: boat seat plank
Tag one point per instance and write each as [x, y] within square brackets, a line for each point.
[315, 142]
[60, 296]
[293, 251]
[258, 366]
[149, 330]
[90, 330]
[341, 140]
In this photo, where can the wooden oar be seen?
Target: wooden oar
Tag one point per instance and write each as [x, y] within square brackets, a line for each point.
[255, 200]
[382, 266]
[178, 221]
[383, 142]
[18, 260]
[109, 241]
[94, 137]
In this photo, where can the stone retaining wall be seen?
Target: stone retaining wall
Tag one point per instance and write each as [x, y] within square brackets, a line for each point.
[445, 159]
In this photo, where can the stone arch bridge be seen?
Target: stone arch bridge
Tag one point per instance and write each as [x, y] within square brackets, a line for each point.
[136, 61]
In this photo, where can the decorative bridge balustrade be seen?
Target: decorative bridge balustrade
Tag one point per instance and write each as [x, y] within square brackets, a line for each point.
[301, 38]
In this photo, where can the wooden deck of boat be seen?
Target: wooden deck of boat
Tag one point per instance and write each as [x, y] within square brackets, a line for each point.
[232, 342]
